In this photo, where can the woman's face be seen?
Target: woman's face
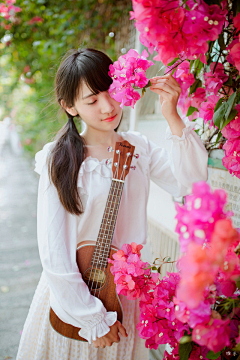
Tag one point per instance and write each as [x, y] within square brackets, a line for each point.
[100, 112]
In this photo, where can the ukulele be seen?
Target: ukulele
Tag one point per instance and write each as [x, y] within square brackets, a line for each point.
[92, 257]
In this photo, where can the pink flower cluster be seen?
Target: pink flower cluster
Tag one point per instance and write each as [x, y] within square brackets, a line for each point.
[200, 266]
[198, 216]
[8, 10]
[134, 279]
[128, 72]
[234, 47]
[214, 81]
[187, 303]
[132, 276]
[35, 20]
[185, 80]
[207, 109]
[203, 99]
[231, 161]
[171, 29]
[207, 270]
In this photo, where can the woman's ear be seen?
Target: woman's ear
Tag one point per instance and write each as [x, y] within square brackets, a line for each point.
[71, 110]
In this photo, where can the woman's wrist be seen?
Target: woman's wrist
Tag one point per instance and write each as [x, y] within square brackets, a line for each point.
[176, 124]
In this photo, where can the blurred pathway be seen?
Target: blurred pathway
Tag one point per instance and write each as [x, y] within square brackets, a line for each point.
[20, 266]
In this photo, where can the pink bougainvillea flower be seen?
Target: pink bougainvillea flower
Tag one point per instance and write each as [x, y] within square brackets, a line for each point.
[200, 266]
[199, 352]
[235, 55]
[232, 164]
[214, 335]
[35, 20]
[198, 97]
[128, 71]
[125, 282]
[170, 29]
[232, 147]
[136, 249]
[197, 217]
[214, 81]
[236, 22]
[227, 288]
[183, 76]
[207, 109]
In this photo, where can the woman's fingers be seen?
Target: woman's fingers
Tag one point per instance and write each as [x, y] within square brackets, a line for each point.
[111, 337]
[166, 93]
[122, 330]
[166, 85]
[168, 79]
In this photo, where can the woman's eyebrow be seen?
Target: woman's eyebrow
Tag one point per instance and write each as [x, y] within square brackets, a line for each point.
[86, 96]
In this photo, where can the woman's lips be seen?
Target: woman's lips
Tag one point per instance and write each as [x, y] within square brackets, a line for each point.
[110, 119]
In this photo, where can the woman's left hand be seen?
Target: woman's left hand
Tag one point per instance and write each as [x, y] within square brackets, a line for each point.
[169, 91]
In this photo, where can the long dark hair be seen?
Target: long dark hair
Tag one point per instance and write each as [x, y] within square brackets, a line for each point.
[65, 159]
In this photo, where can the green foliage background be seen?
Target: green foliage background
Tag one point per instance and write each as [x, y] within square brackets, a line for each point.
[29, 95]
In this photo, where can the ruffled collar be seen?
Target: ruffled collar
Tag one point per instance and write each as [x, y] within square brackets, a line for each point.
[93, 164]
[104, 167]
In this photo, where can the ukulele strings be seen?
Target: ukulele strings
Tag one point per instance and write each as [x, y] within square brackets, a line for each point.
[95, 259]
[108, 245]
[106, 230]
[95, 269]
[119, 189]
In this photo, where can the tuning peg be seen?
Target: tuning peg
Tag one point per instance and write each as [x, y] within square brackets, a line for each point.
[133, 167]
[107, 162]
[109, 149]
[136, 156]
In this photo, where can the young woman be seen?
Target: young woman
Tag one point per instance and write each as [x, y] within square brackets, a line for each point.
[73, 189]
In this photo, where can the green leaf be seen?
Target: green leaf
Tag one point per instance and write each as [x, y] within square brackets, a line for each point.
[213, 355]
[191, 64]
[231, 116]
[198, 65]
[218, 137]
[185, 339]
[185, 350]
[187, 8]
[191, 110]
[230, 104]
[219, 116]
[197, 83]
[218, 104]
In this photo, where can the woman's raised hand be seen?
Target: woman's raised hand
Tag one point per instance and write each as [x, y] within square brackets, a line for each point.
[169, 91]
[112, 336]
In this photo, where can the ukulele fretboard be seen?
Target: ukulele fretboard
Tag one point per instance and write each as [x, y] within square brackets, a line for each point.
[106, 231]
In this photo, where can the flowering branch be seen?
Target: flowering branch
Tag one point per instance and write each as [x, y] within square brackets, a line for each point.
[200, 44]
[197, 310]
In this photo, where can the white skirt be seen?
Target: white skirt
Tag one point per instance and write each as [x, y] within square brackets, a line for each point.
[39, 341]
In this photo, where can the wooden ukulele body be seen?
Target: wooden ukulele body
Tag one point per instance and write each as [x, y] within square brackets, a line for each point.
[103, 280]
[92, 257]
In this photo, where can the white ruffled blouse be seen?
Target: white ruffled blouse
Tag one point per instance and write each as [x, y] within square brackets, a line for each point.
[59, 232]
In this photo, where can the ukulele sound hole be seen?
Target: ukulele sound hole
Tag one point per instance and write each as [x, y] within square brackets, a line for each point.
[95, 278]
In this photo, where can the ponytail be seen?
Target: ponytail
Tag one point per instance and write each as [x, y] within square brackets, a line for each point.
[64, 162]
[65, 159]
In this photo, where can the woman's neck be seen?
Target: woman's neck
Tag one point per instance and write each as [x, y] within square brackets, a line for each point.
[97, 137]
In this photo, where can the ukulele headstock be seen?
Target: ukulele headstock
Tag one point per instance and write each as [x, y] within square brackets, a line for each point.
[122, 159]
